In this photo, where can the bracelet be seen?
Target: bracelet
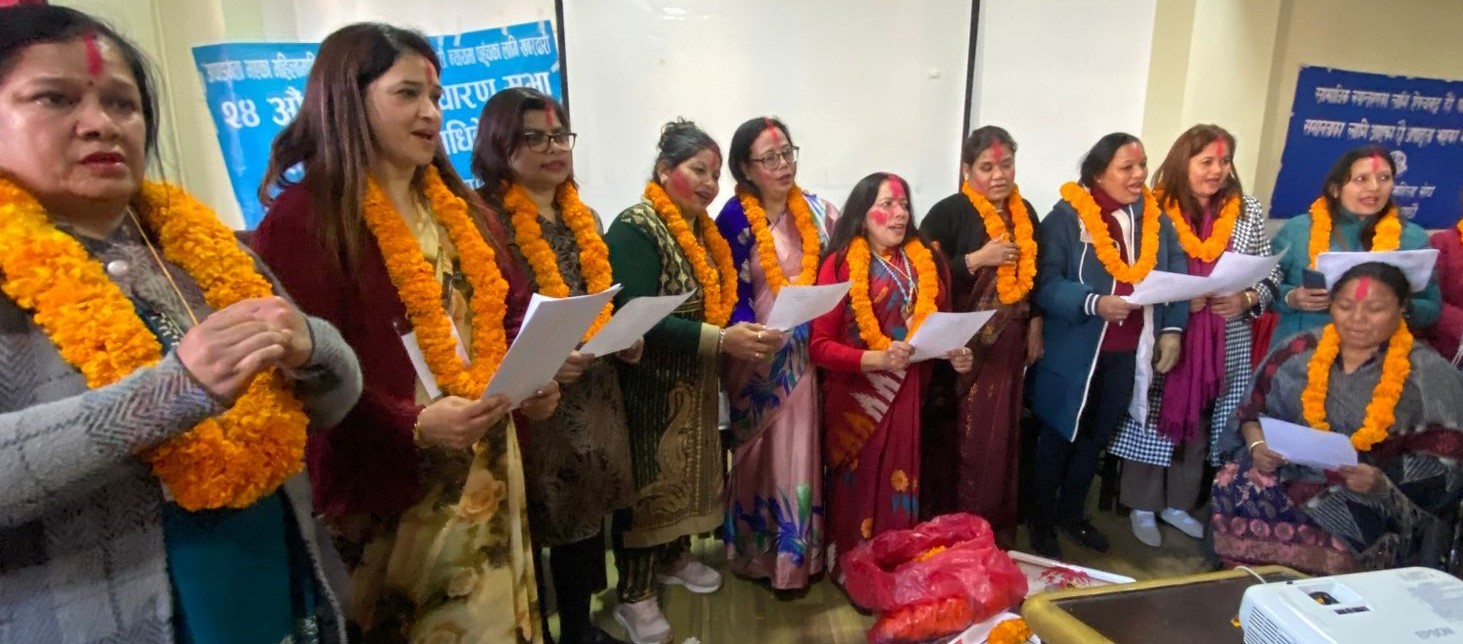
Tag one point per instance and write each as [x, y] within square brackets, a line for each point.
[1251, 298]
[720, 338]
[1251, 447]
[416, 433]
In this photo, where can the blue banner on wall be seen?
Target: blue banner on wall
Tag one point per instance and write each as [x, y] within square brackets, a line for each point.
[1418, 119]
[254, 89]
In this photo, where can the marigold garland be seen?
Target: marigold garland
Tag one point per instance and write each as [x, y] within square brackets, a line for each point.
[923, 263]
[1011, 631]
[231, 460]
[1460, 231]
[1104, 245]
[1388, 235]
[1013, 282]
[594, 255]
[719, 282]
[420, 292]
[802, 217]
[1380, 412]
[1206, 250]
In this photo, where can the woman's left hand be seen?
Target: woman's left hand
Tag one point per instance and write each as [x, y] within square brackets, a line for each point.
[1228, 307]
[1166, 353]
[632, 355]
[1034, 344]
[961, 359]
[282, 316]
[1362, 478]
[543, 403]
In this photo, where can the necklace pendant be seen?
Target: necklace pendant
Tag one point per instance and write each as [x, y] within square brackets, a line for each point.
[907, 309]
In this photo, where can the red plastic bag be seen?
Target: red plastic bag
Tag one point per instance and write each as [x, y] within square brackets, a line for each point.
[932, 580]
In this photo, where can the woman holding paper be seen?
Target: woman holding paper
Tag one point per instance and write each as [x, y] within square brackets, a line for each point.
[774, 497]
[991, 237]
[1447, 335]
[158, 388]
[577, 462]
[1103, 238]
[422, 482]
[871, 392]
[1355, 213]
[1362, 375]
[1188, 407]
[667, 245]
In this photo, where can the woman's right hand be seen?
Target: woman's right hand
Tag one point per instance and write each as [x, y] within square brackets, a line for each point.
[751, 341]
[1266, 460]
[1308, 299]
[228, 348]
[994, 253]
[1114, 309]
[574, 366]
[897, 356]
[458, 423]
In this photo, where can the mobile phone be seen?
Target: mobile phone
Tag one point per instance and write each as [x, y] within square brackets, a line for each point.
[1312, 279]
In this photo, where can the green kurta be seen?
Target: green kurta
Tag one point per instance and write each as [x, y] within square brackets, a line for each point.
[671, 396]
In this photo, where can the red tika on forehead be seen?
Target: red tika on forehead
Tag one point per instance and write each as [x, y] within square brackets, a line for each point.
[1223, 146]
[549, 117]
[896, 186]
[1363, 286]
[1376, 163]
[769, 126]
[94, 63]
[998, 151]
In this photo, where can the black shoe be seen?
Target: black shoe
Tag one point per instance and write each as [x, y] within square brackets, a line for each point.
[1085, 533]
[1044, 542]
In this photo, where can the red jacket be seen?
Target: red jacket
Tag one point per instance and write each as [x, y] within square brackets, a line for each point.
[1445, 334]
[368, 463]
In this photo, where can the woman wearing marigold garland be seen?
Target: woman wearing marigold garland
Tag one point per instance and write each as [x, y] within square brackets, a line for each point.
[576, 462]
[973, 423]
[157, 390]
[667, 245]
[1355, 212]
[1362, 375]
[774, 499]
[424, 492]
[871, 391]
[1447, 335]
[1100, 240]
[1189, 406]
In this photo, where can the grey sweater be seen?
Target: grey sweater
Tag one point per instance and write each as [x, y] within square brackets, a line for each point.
[81, 541]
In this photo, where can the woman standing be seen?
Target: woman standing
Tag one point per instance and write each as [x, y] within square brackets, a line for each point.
[1190, 406]
[1447, 334]
[576, 462]
[668, 245]
[1101, 240]
[991, 238]
[1354, 213]
[774, 498]
[157, 387]
[871, 392]
[423, 481]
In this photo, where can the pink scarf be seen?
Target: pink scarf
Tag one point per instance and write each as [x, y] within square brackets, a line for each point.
[1196, 381]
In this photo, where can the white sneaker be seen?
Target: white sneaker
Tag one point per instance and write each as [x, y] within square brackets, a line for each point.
[644, 621]
[1183, 521]
[1145, 527]
[697, 577]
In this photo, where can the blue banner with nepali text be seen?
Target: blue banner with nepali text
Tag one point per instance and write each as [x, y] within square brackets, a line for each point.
[254, 89]
[1418, 119]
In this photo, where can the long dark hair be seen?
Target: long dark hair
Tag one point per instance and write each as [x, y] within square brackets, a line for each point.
[331, 136]
[1096, 161]
[1172, 178]
[1340, 174]
[22, 26]
[740, 151]
[1388, 275]
[850, 224]
[500, 130]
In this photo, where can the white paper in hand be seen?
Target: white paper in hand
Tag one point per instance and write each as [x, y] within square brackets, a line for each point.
[551, 329]
[943, 332]
[631, 323]
[1235, 272]
[1306, 446]
[798, 304]
[1161, 287]
[1417, 265]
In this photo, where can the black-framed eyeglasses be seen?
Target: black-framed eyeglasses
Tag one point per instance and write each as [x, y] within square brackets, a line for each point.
[538, 140]
[775, 160]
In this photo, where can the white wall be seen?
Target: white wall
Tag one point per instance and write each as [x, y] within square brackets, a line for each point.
[864, 86]
[1059, 74]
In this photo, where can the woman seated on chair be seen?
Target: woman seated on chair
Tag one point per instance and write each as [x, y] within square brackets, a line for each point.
[1402, 405]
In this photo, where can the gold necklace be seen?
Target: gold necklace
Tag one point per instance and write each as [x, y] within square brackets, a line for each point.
[157, 257]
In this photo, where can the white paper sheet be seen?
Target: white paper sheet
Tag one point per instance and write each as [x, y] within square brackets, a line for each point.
[1306, 446]
[631, 323]
[1416, 264]
[1235, 272]
[551, 329]
[942, 332]
[798, 304]
[1161, 287]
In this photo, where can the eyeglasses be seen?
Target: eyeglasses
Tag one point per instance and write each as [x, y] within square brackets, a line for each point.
[538, 140]
[775, 160]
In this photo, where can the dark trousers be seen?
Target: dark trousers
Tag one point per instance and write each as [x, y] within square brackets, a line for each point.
[578, 571]
[1064, 469]
[637, 566]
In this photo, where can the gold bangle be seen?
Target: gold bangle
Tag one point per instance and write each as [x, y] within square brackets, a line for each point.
[1251, 447]
[416, 433]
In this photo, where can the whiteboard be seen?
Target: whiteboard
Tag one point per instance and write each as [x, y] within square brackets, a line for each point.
[863, 85]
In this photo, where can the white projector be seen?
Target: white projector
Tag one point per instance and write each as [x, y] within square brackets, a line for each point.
[1393, 606]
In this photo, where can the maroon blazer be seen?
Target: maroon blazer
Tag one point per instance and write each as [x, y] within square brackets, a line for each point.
[368, 463]
[1445, 334]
